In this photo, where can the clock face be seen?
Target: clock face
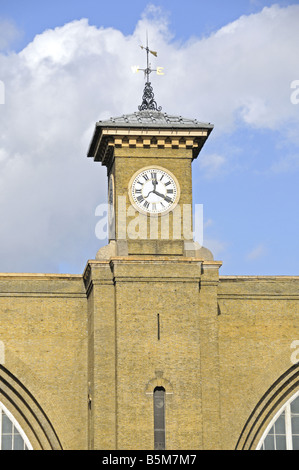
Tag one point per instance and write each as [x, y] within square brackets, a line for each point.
[154, 191]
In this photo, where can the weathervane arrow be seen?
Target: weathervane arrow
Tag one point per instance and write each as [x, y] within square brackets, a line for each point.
[152, 52]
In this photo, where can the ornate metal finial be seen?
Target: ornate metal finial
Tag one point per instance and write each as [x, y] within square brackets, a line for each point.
[148, 98]
[148, 101]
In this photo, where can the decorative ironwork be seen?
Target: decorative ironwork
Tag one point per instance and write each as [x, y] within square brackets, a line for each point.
[148, 99]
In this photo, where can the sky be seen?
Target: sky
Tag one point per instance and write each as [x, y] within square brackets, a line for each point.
[66, 65]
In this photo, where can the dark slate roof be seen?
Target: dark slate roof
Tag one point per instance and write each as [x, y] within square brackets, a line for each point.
[147, 119]
[153, 119]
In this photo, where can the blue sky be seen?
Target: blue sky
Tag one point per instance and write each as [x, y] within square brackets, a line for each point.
[230, 63]
[188, 18]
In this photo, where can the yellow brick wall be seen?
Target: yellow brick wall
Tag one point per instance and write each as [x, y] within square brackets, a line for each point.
[223, 344]
[144, 290]
[258, 323]
[43, 326]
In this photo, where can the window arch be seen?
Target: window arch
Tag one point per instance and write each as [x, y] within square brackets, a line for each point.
[283, 431]
[11, 434]
[24, 410]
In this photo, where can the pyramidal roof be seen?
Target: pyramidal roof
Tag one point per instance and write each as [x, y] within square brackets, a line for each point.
[153, 118]
[146, 122]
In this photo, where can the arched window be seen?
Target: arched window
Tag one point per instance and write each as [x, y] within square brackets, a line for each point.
[283, 431]
[159, 418]
[12, 436]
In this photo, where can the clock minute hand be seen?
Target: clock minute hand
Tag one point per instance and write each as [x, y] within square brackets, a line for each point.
[167, 198]
[158, 194]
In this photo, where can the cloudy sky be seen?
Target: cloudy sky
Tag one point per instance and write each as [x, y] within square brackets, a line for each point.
[65, 65]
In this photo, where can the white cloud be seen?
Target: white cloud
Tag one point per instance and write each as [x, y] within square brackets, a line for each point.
[208, 223]
[257, 252]
[286, 163]
[212, 164]
[242, 73]
[72, 76]
[217, 247]
[8, 34]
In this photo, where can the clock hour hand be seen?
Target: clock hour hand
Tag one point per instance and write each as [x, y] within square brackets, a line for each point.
[155, 182]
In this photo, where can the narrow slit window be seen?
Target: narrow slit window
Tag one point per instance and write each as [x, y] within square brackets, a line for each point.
[159, 418]
[158, 326]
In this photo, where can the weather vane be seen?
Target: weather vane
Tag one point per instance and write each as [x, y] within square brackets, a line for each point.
[148, 101]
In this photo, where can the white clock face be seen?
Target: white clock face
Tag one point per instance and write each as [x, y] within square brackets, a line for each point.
[154, 190]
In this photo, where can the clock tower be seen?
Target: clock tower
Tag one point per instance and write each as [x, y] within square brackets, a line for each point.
[148, 156]
[152, 291]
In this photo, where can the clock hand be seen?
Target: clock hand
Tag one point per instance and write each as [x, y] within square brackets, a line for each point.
[155, 182]
[158, 194]
[167, 198]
